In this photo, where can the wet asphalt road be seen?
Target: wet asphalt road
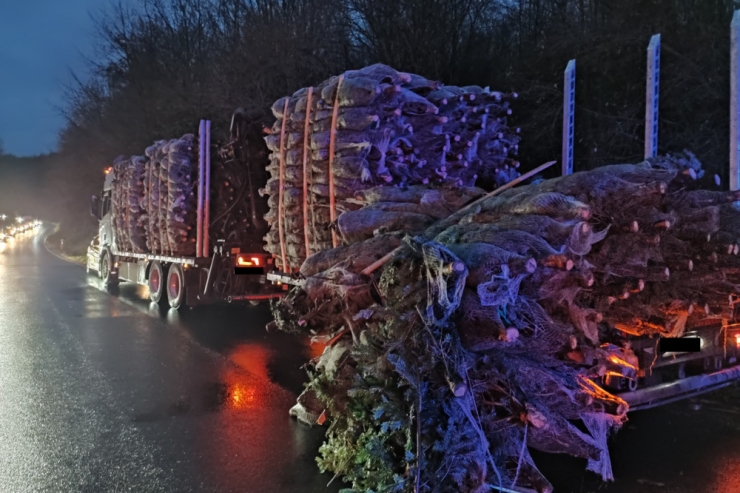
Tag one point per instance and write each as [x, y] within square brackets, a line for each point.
[106, 393]
[101, 393]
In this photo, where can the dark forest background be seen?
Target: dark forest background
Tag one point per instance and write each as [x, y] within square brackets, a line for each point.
[164, 64]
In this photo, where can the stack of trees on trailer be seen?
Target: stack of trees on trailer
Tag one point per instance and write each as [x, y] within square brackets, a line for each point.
[155, 197]
[237, 172]
[369, 127]
[488, 332]
[170, 196]
[128, 217]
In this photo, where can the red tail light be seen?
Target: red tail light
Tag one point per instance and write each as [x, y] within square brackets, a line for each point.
[246, 260]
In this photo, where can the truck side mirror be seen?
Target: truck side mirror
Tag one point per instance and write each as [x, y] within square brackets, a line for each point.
[95, 207]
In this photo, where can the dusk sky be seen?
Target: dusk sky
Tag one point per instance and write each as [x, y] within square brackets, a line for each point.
[41, 43]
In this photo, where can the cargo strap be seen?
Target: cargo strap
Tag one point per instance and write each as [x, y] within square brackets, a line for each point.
[127, 205]
[149, 204]
[166, 229]
[306, 170]
[157, 220]
[281, 191]
[332, 139]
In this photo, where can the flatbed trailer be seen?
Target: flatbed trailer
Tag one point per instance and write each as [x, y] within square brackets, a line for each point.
[188, 281]
[662, 378]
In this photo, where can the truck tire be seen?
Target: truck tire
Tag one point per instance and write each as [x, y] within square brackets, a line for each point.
[110, 280]
[156, 282]
[176, 286]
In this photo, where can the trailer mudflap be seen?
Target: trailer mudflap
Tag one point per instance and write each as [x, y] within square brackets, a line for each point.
[680, 389]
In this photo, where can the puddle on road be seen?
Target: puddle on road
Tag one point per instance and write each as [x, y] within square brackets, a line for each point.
[210, 398]
[246, 384]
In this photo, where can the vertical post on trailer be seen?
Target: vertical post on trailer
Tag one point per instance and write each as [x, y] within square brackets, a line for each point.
[734, 103]
[652, 97]
[206, 249]
[201, 159]
[569, 106]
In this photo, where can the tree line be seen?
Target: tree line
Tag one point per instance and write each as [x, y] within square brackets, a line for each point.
[22, 180]
[164, 64]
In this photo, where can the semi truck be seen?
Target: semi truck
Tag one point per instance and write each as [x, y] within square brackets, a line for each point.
[222, 267]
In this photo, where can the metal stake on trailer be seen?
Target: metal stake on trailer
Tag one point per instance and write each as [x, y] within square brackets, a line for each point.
[206, 247]
[201, 166]
[652, 97]
[734, 103]
[569, 106]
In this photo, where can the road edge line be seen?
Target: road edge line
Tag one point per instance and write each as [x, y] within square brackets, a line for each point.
[61, 257]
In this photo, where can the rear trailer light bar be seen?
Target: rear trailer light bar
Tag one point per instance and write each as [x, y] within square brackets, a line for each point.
[249, 264]
[283, 278]
[254, 297]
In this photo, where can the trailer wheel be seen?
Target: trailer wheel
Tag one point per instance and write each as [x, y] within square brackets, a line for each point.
[99, 271]
[110, 280]
[176, 286]
[156, 282]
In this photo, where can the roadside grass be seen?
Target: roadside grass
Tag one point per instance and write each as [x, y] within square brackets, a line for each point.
[70, 243]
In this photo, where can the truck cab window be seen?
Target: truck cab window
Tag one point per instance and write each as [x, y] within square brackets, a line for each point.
[106, 203]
